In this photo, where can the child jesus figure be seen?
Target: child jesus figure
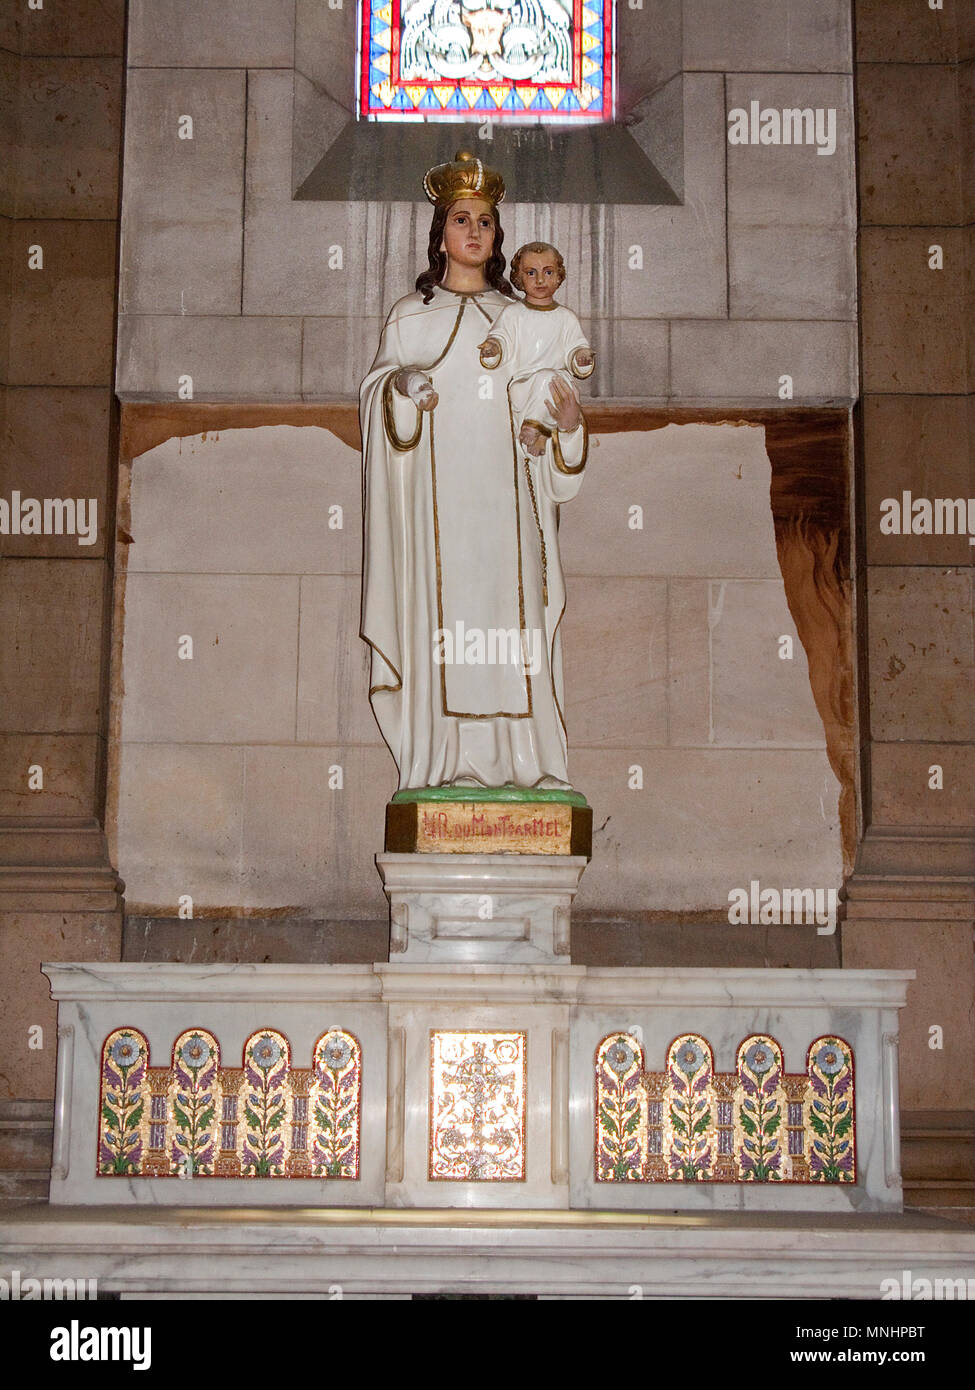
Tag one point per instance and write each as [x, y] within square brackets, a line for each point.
[539, 342]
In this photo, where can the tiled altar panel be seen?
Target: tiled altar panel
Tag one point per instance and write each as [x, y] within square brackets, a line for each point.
[230, 1024]
[793, 1029]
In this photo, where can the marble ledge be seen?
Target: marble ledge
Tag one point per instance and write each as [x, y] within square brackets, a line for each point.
[180, 1253]
[478, 983]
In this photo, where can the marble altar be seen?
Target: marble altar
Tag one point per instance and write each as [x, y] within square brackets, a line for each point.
[472, 1086]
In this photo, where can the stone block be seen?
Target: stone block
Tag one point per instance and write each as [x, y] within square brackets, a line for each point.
[299, 257]
[738, 361]
[966, 109]
[247, 501]
[220, 34]
[10, 26]
[970, 296]
[684, 266]
[758, 699]
[909, 145]
[287, 253]
[919, 444]
[6, 227]
[310, 845]
[639, 359]
[27, 939]
[333, 665]
[649, 43]
[620, 697]
[56, 445]
[771, 35]
[706, 821]
[71, 27]
[317, 121]
[922, 668]
[792, 185]
[657, 125]
[62, 316]
[791, 272]
[183, 206]
[688, 663]
[50, 678]
[687, 481]
[930, 1079]
[239, 685]
[324, 40]
[913, 318]
[336, 353]
[900, 784]
[69, 768]
[227, 358]
[902, 31]
[965, 22]
[9, 75]
[69, 132]
[179, 826]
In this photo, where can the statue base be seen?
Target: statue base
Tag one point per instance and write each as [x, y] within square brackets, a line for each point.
[501, 908]
[483, 875]
[488, 820]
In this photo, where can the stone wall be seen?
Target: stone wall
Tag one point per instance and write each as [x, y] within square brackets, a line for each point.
[61, 87]
[225, 277]
[912, 897]
[701, 750]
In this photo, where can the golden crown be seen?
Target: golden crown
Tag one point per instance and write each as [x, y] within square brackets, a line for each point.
[465, 177]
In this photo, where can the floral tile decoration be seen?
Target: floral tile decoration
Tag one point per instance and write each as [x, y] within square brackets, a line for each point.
[196, 1118]
[759, 1123]
[477, 1107]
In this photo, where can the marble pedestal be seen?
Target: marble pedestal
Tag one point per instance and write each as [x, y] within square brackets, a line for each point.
[457, 908]
[486, 1087]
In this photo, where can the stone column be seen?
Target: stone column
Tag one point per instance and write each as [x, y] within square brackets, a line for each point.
[61, 73]
[911, 900]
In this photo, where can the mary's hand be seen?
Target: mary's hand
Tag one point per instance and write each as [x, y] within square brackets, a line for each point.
[564, 405]
[417, 385]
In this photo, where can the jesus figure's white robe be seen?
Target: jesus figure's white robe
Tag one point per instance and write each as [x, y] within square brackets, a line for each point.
[459, 608]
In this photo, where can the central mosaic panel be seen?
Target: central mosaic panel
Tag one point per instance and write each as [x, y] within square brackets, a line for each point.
[477, 1107]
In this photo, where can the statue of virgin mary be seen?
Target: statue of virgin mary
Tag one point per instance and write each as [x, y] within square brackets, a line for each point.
[463, 590]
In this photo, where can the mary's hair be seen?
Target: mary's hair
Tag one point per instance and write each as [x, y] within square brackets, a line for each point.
[428, 280]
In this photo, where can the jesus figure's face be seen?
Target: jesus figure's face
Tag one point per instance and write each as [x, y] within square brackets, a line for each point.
[469, 234]
[539, 272]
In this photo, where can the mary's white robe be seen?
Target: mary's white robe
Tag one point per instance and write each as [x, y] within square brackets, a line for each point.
[461, 558]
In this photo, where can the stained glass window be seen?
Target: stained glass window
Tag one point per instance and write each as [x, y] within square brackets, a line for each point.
[511, 60]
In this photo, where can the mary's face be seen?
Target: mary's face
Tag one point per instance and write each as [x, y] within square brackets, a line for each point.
[469, 234]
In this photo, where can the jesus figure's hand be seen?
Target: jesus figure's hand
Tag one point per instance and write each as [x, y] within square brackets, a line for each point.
[532, 439]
